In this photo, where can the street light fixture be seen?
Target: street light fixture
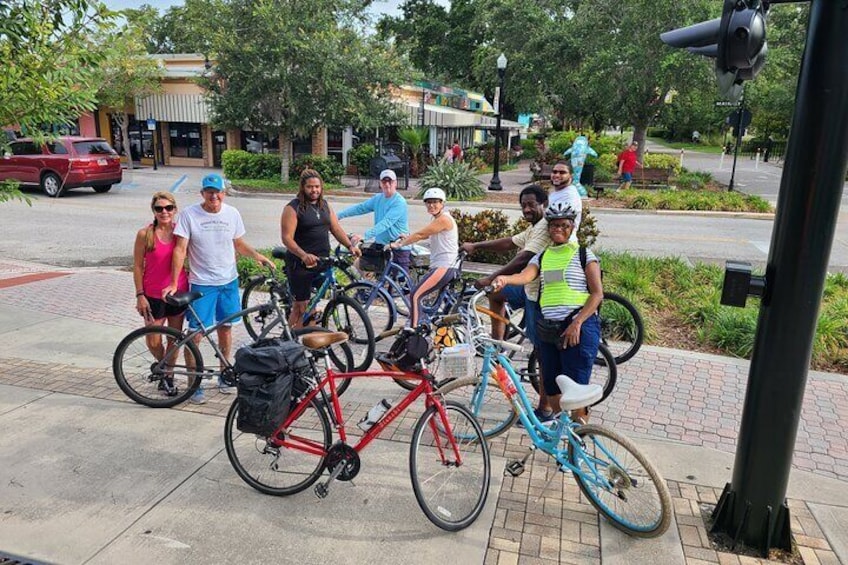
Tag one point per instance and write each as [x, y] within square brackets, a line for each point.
[495, 183]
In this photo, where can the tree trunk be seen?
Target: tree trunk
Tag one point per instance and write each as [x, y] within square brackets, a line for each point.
[124, 124]
[639, 134]
[285, 156]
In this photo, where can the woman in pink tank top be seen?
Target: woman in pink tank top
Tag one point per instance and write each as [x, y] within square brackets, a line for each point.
[152, 254]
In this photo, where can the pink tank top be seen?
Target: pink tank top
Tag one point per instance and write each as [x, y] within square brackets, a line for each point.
[157, 269]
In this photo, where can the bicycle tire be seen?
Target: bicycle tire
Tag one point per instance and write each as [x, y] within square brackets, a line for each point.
[344, 314]
[449, 501]
[637, 495]
[342, 351]
[257, 460]
[139, 374]
[379, 307]
[253, 295]
[488, 404]
[622, 327]
[606, 378]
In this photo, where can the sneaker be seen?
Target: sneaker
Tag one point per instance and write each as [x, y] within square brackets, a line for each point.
[198, 397]
[166, 385]
[223, 387]
[543, 417]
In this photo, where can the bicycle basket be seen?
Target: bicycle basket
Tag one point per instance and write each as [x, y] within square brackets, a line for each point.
[373, 258]
[457, 361]
[420, 256]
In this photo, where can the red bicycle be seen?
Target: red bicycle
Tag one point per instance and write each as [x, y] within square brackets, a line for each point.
[448, 460]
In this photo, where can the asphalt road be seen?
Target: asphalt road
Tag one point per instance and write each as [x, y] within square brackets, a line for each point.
[87, 229]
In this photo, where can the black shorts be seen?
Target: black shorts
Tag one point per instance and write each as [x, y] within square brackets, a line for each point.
[300, 278]
[160, 309]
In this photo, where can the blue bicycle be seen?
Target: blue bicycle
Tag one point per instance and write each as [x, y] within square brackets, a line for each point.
[328, 306]
[619, 481]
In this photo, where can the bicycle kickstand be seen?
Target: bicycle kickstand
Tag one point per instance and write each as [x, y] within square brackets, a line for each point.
[323, 489]
[515, 468]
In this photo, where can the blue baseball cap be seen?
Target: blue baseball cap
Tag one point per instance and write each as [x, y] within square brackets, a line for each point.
[213, 181]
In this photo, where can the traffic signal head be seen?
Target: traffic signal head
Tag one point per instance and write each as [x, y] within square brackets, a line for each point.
[737, 40]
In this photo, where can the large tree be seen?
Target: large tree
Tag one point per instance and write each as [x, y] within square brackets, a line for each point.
[126, 73]
[180, 29]
[285, 67]
[48, 60]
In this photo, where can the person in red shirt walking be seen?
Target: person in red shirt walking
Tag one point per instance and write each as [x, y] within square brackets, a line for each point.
[627, 163]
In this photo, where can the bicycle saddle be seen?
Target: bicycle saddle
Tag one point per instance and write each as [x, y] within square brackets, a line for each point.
[182, 298]
[575, 395]
[322, 340]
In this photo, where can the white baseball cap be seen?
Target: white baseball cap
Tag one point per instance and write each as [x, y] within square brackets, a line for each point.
[388, 174]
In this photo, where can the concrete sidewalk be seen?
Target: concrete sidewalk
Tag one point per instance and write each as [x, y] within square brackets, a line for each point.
[87, 476]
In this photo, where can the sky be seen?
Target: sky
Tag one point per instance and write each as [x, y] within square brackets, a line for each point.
[378, 8]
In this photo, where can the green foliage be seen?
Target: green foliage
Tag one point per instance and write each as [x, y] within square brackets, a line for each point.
[485, 226]
[691, 200]
[9, 191]
[239, 164]
[48, 61]
[415, 138]
[662, 161]
[588, 231]
[692, 180]
[329, 169]
[458, 181]
[529, 149]
[360, 156]
[247, 267]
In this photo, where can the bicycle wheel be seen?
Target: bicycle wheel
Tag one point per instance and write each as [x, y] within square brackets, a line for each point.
[276, 469]
[153, 371]
[451, 491]
[604, 373]
[377, 304]
[621, 482]
[487, 403]
[344, 314]
[342, 358]
[622, 328]
[255, 293]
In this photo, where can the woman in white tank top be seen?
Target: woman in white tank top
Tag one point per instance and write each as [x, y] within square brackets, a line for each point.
[444, 247]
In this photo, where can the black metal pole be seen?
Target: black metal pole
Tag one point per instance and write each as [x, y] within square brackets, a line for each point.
[753, 506]
[495, 183]
[421, 109]
[739, 111]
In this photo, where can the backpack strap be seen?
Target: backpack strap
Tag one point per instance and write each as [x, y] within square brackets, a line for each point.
[583, 257]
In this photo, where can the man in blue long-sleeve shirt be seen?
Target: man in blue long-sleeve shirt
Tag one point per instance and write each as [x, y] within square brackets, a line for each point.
[390, 216]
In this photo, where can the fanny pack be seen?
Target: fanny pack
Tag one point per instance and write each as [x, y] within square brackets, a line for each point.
[550, 331]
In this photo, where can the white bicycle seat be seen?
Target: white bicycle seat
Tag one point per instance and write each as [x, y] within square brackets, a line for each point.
[575, 395]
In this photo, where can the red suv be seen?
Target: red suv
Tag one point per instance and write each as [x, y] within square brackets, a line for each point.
[66, 162]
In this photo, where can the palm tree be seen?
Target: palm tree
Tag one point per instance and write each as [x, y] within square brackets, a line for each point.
[414, 138]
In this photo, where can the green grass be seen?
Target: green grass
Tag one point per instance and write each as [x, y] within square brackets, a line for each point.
[273, 185]
[699, 147]
[703, 200]
[502, 167]
[674, 297]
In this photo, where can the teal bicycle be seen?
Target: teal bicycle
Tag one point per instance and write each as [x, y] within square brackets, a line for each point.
[619, 481]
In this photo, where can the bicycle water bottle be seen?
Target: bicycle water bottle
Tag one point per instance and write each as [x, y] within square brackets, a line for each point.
[373, 416]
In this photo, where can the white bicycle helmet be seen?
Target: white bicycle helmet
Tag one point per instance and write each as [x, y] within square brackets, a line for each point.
[560, 211]
[434, 194]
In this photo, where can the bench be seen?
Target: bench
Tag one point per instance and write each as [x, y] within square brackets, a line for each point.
[651, 177]
[541, 171]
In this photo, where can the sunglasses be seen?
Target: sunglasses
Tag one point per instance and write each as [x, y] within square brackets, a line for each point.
[559, 172]
[167, 208]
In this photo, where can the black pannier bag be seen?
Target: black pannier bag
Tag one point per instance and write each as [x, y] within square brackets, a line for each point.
[267, 373]
[373, 258]
[408, 350]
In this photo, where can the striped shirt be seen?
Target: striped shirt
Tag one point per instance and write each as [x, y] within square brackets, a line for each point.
[575, 276]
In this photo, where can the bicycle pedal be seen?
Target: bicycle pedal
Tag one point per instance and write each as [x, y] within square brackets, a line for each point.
[321, 490]
[515, 468]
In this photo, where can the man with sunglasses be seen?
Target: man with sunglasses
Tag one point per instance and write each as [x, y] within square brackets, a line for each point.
[212, 233]
[566, 193]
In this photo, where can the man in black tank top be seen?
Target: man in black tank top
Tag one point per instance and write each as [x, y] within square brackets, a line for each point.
[305, 226]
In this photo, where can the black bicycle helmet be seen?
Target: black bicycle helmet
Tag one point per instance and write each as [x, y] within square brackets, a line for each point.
[560, 211]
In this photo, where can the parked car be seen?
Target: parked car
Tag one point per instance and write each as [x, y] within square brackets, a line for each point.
[61, 164]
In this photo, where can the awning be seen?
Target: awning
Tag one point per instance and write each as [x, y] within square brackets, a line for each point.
[190, 108]
[446, 117]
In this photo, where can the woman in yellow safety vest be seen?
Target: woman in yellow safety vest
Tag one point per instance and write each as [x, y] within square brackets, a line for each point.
[569, 331]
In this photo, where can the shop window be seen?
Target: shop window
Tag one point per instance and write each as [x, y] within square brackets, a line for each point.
[186, 140]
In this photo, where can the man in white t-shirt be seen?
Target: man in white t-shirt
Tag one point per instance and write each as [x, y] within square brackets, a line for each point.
[211, 233]
[565, 191]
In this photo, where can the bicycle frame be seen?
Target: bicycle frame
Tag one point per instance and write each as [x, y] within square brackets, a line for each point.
[425, 387]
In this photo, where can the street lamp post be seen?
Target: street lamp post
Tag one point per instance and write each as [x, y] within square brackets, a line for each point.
[495, 183]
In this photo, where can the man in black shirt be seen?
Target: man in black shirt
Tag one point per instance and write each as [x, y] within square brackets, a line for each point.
[305, 227]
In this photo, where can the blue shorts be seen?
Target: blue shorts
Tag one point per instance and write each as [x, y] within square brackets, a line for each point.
[516, 297]
[626, 177]
[576, 362]
[216, 304]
